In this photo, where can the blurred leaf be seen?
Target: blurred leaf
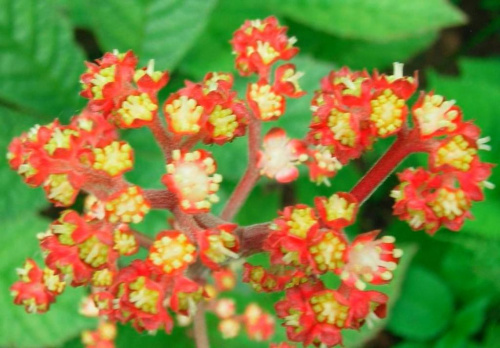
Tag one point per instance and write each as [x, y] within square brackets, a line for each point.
[492, 336]
[19, 211]
[467, 322]
[477, 92]
[482, 263]
[411, 345]
[359, 338]
[470, 319]
[155, 29]
[79, 12]
[381, 20]
[356, 53]
[486, 213]
[460, 264]
[39, 62]
[425, 307]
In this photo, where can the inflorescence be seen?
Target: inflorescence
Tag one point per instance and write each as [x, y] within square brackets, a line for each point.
[187, 264]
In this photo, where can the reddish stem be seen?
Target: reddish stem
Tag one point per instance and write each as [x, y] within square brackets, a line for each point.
[406, 143]
[247, 182]
[161, 199]
[200, 327]
[252, 238]
[162, 137]
[143, 240]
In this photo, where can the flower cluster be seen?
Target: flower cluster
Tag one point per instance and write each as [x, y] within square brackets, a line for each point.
[258, 324]
[306, 242]
[187, 263]
[443, 194]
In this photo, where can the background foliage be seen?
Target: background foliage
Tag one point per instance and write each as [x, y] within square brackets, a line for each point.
[447, 288]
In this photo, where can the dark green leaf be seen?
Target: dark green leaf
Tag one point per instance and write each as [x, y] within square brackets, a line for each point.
[155, 29]
[39, 62]
[381, 20]
[425, 307]
[356, 53]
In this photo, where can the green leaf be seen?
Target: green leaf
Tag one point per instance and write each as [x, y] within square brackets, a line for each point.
[425, 307]
[492, 336]
[357, 53]
[476, 91]
[470, 319]
[21, 221]
[381, 20]
[155, 29]
[78, 11]
[393, 290]
[476, 259]
[39, 62]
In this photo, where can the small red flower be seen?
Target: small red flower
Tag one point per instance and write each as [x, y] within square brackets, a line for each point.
[280, 156]
[258, 324]
[150, 81]
[186, 294]
[139, 299]
[225, 308]
[364, 306]
[370, 260]
[266, 102]
[191, 176]
[103, 337]
[218, 245]
[224, 279]
[258, 44]
[171, 253]
[434, 116]
[286, 81]
[338, 211]
[37, 288]
[127, 205]
[313, 315]
[322, 164]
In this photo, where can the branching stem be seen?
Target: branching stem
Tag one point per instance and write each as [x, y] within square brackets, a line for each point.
[249, 179]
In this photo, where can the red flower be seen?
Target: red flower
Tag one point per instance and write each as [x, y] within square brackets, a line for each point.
[37, 288]
[171, 253]
[266, 102]
[191, 176]
[280, 156]
[258, 44]
[186, 294]
[434, 116]
[218, 245]
[258, 324]
[338, 211]
[313, 315]
[365, 306]
[139, 299]
[286, 81]
[370, 260]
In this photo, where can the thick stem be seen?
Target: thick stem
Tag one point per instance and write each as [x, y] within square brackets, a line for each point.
[405, 144]
[143, 240]
[247, 182]
[186, 223]
[200, 327]
[252, 238]
[161, 199]
[162, 137]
